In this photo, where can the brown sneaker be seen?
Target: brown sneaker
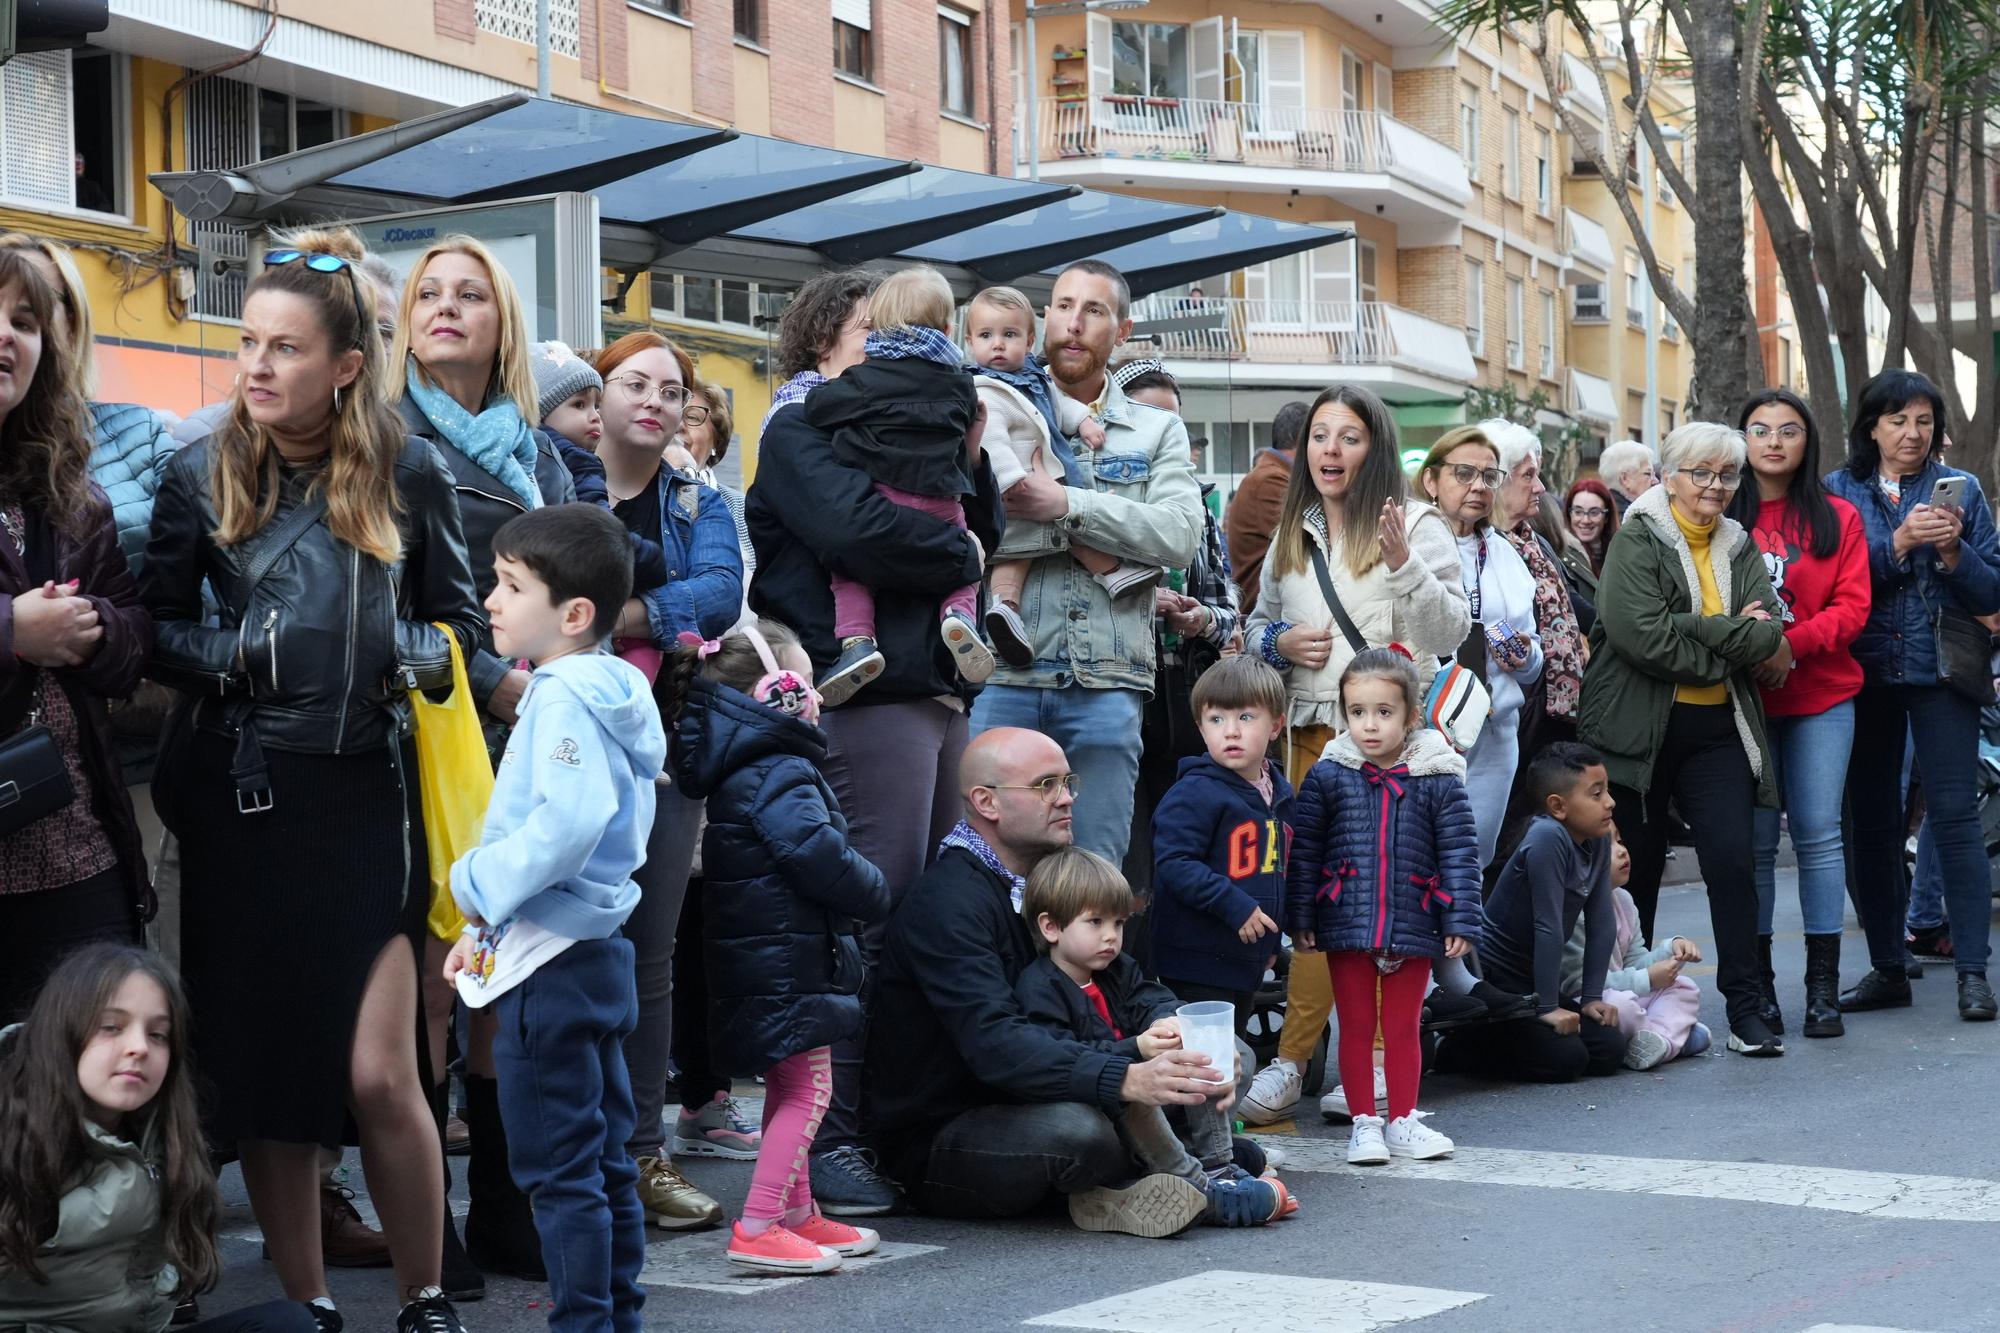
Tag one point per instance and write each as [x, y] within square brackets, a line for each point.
[457, 1137]
[345, 1240]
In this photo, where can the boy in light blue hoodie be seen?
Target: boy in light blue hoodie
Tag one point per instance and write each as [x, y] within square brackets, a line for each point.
[545, 893]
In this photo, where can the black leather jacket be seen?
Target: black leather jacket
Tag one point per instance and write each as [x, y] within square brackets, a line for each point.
[333, 639]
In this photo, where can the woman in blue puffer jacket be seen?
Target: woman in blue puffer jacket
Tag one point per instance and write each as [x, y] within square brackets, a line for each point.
[1384, 879]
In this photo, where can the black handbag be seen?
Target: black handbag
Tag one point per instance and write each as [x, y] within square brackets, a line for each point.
[34, 782]
[1964, 654]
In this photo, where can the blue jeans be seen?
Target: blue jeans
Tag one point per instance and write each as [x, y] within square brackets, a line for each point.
[1927, 890]
[1099, 734]
[567, 1104]
[1812, 765]
[1946, 730]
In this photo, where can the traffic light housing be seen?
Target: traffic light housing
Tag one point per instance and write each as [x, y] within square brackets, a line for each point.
[49, 25]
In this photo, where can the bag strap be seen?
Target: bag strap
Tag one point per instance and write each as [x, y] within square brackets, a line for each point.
[1346, 622]
[273, 543]
[248, 768]
[38, 556]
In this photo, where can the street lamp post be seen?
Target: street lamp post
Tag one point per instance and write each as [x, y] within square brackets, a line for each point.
[1054, 10]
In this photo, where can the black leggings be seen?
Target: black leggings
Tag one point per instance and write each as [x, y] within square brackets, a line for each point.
[40, 928]
[695, 1078]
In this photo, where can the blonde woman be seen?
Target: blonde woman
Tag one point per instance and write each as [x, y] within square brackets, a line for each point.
[332, 541]
[1347, 522]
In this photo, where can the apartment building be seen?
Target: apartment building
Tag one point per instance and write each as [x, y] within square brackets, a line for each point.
[81, 130]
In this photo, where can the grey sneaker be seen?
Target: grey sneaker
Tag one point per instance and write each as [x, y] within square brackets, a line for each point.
[1151, 1206]
[1009, 635]
[859, 663]
[848, 1182]
[961, 636]
[1647, 1049]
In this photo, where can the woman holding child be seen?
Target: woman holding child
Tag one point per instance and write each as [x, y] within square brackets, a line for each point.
[1349, 532]
[1687, 624]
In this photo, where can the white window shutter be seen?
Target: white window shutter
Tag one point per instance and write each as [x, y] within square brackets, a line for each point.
[1333, 286]
[1017, 49]
[1285, 70]
[35, 130]
[1257, 282]
[1099, 43]
[1385, 90]
[1205, 40]
[858, 13]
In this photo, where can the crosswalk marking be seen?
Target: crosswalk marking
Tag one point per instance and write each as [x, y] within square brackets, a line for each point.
[1221, 1301]
[698, 1262]
[1855, 1328]
[1873, 1193]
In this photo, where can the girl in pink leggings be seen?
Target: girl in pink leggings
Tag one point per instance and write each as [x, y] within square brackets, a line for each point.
[785, 893]
[1658, 1008]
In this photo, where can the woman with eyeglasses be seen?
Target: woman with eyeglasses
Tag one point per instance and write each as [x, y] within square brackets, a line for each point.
[1934, 565]
[1686, 625]
[647, 402]
[1462, 474]
[1593, 519]
[1817, 557]
[332, 541]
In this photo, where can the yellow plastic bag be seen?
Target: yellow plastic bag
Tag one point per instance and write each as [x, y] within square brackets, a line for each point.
[454, 781]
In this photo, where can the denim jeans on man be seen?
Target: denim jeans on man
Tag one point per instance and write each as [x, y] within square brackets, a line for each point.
[1812, 764]
[1098, 730]
[566, 1101]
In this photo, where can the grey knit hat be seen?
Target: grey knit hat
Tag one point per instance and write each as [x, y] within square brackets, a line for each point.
[560, 375]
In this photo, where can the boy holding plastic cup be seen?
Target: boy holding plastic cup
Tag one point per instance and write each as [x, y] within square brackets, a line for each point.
[1086, 987]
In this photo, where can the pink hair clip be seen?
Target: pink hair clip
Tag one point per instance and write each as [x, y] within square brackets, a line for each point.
[704, 648]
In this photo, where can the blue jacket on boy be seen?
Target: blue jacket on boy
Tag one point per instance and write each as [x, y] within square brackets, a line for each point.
[1219, 855]
[572, 803]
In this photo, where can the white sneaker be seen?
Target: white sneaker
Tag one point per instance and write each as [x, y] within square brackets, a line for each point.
[1646, 1049]
[1408, 1136]
[1334, 1105]
[1273, 1093]
[1364, 1145]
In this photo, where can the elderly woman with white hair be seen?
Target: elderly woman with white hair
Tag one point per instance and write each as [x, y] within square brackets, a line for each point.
[1550, 713]
[1685, 618]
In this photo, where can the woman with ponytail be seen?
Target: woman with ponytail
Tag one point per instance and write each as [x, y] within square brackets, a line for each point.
[332, 541]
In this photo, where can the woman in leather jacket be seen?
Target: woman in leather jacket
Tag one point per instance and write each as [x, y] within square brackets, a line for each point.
[332, 542]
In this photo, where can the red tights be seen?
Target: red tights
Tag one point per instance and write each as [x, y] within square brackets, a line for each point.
[1400, 1015]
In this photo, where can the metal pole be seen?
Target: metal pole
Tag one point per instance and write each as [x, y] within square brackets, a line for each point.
[541, 48]
[1034, 100]
[1651, 433]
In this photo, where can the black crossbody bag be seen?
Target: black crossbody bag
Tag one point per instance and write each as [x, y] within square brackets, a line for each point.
[34, 782]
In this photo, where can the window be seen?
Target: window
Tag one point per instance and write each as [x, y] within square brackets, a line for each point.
[1364, 260]
[1784, 361]
[1517, 322]
[750, 20]
[1544, 172]
[1670, 328]
[285, 124]
[955, 62]
[1548, 334]
[678, 8]
[1635, 291]
[853, 40]
[1150, 60]
[1666, 418]
[1587, 306]
[1245, 82]
[61, 135]
[1468, 128]
[1352, 72]
[709, 301]
[1510, 143]
[1475, 306]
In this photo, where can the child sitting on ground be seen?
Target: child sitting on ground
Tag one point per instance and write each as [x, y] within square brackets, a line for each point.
[1560, 872]
[1083, 986]
[1658, 1008]
[1384, 879]
[782, 891]
[570, 398]
[545, 894]
[1027, 422]
[1219, 839]
[903, 416]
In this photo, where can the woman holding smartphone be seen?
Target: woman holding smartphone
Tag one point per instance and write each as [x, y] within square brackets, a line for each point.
[1935, 564]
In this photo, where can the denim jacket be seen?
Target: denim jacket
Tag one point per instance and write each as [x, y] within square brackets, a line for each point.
[1142, 504]
[703, 593]
[1898, 645]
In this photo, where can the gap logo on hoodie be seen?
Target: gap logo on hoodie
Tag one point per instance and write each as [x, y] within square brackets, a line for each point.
[1258, 848]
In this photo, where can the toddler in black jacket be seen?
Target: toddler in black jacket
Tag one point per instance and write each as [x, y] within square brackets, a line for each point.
[1083, 985]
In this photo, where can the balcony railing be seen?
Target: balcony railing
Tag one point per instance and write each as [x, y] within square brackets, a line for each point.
[1181, 129]
[1292, 332]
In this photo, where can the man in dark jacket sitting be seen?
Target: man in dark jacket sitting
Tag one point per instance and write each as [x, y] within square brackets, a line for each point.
[979, 1112]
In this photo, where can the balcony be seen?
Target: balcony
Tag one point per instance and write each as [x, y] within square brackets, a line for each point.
[1372, 161]
[1399, 353]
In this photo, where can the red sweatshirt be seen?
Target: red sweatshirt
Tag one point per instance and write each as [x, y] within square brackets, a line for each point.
[1826, 603]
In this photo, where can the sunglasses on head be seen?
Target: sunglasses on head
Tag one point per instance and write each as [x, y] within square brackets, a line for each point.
[320, 263]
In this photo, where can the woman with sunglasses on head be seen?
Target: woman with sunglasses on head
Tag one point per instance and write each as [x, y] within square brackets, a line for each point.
[1934, 565]
[1687, 624]
[332, 541]
[647, 400]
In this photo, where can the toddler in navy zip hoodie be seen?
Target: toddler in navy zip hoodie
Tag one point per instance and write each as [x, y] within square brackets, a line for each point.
[1219, 841]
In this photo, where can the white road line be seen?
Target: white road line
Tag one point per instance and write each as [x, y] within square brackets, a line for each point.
[697, 1262]
[1221, 1301]
[1871, 1193]
[1854, 1328]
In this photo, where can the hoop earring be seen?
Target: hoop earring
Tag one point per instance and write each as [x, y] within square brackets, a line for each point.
[336, 400]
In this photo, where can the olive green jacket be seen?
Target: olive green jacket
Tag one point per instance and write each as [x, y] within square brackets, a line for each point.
[1651, 638]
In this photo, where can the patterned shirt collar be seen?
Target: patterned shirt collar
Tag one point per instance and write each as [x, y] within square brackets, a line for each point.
[794, 390]
[913, 342]
[964, 836]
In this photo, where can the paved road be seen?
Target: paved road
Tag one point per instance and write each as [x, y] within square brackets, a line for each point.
[1853, 1185]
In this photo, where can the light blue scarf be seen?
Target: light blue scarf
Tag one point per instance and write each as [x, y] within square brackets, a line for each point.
[497, 439]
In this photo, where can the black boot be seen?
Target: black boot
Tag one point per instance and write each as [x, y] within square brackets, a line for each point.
[1767, 990]
[457, 1275]
[500, 1230]
[1823, 987]
[1877, 990]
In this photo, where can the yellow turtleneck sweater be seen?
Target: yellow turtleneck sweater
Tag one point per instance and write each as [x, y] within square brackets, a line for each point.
[1697, 535]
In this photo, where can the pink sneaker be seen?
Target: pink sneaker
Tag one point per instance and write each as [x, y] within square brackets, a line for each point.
[837, 1236]
[719, 1129]
[779, 1251]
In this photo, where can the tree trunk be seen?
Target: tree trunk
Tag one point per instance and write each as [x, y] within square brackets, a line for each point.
[1722, 316]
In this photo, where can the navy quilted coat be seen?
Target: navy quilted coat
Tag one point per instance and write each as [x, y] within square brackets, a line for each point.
[1384, 860]
[784, 886]
[130, 456]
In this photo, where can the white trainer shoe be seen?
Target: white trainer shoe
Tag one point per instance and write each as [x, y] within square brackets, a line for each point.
[1646, 1050]
[1334, 1105]
[1273, 1093]
[1365, 1146]
[1408, 1136]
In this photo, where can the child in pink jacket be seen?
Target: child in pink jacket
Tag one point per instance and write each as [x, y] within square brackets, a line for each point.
[1659, 1010]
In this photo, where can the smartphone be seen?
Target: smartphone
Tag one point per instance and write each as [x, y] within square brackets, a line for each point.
[1948, 493]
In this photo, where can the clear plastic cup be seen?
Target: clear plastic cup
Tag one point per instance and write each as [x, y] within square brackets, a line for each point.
[1210, 1028]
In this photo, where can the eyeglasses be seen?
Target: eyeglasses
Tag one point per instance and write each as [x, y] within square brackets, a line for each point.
[1587, 511]
[693, 414]
[1046, 788]
[320, 263]
[1465, 474]
[1704, 478]
[1788, 432]
[637, 389]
